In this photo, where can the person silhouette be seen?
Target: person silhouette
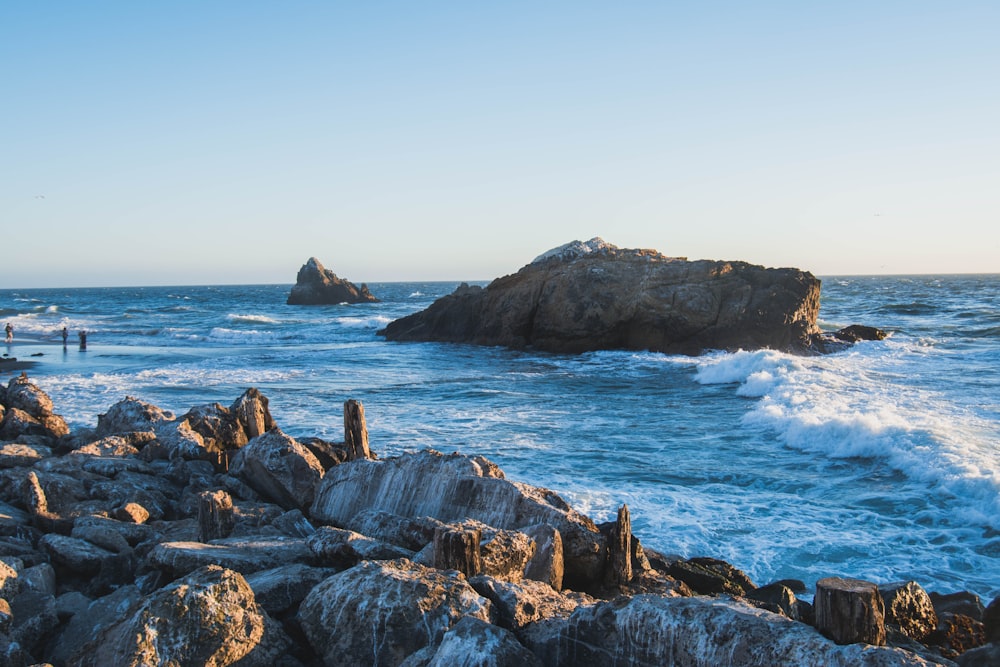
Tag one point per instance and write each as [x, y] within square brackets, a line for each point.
[65, 335]
[83, 340]
[10, 332]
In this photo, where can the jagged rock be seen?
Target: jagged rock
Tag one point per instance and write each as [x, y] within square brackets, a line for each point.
[410, 533]
[215, 515]
[454, 488]
[342, 549]
[956, 634]
[457, 548]
[377, 613]
[650, 631]
[252, 413]
[131, 415]
[101, 536]
[6, 616]
[475, 643]
[596, 296]
[24, 394]
[132, 513]
[710, 576]
[18, 423]
[520, 604]
[114, 445]
[859, 332]
[317, 285]
[235, 553]
[294, 524]
[908, 607]
[546, 564]
[776, 598]
[965, 603]
[279, 468]
[282, 588]
[132, 533]
[18, 455]
[218, 426]
[209, 617]
[39, 578]
[9, 584]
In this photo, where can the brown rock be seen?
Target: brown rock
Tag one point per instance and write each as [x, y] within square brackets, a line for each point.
[132, 513]
[596, 296]
[850, 611]
[317, 285]
[252, 413]
[908, 607]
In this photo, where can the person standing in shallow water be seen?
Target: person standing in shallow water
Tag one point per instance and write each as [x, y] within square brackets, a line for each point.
[83, 340]
[65, 335]
[10, 332]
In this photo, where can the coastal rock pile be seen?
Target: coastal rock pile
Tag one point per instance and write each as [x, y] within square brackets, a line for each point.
[316, 286]
[595, 296]
[215, 539]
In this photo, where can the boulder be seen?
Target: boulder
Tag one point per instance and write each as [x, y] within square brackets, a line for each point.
[84, 626]
[24, 394]
[279, 468]
[131, 415]
[77, 555]
[18, 423]
[547, 563]
[378, 613]
[991, 620]
[519, 604]
[453, 488]
[339, 548]
[965, 603]
[594, 296]
[209, 617]
[243, 555]
[475, 643]
[650, 631]
[17, 455]
[317, 285]
[909, 608]
[410, 533]
[252, 413]
[218, 427]
[282, 588]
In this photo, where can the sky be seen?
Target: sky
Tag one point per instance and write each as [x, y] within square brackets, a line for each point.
[161, 143]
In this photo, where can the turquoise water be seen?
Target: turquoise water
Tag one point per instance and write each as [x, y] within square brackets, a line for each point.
[882, 462]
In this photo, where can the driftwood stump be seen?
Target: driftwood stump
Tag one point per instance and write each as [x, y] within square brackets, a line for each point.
[356, 431]
[620, 549]
[850, 611]
[457, 549]
[215, 515]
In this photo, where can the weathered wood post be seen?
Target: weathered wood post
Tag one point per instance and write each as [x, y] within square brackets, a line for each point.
[356, 431]
[620, 548]
[850, 611]
[458, 549]
[215, 515]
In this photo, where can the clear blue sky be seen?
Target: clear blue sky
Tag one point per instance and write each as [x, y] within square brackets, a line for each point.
[148, 143]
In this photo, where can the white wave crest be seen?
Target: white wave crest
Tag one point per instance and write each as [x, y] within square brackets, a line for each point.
[257, 319]
[371, 322]
[252, 337]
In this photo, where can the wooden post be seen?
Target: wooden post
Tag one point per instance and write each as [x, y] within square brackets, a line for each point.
[620, 548]
[850, 611]
[215, 515]
[356, 431]
[457, 549]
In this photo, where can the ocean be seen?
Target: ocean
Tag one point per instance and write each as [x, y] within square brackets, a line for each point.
[881, 462]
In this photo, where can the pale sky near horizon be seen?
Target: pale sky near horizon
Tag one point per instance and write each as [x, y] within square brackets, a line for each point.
[147, 143]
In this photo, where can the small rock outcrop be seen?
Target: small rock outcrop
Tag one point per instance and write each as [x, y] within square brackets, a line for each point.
[594, 296]
[318, 286]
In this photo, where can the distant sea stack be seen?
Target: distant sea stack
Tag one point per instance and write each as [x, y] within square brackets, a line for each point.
[595, 296]
[316, 285]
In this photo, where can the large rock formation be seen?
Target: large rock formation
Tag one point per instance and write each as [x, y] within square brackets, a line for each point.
[593, 296]
[317, 286]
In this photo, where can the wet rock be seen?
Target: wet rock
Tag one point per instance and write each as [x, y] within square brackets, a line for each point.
[281, 589]
[965, 603]
[776, 598]
[131, 415]
[242, 555]
[379, 613]
[520, 604]
[650, 631]
[317, 285]
[850, 611]
[209, 617]
[909, 608]
[454, 488]
[991, 621]
[547, 563]
[710, 576]
[859, 332]
[475, 643]
[280, 469]
[956, 634]
[338, 548]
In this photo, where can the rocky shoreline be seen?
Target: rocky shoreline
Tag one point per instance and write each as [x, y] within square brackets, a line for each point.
[213, 538]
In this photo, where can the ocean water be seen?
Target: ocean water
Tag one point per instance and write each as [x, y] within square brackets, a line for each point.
[881, 462]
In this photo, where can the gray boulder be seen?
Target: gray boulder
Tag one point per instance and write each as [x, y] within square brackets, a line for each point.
[650, 631]
[475, 643]
[378, 613]
[131, 415]
[279, 468]
[317, 285]
[209, 617]
[595, 296]
[453, 488]
[243, 555]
